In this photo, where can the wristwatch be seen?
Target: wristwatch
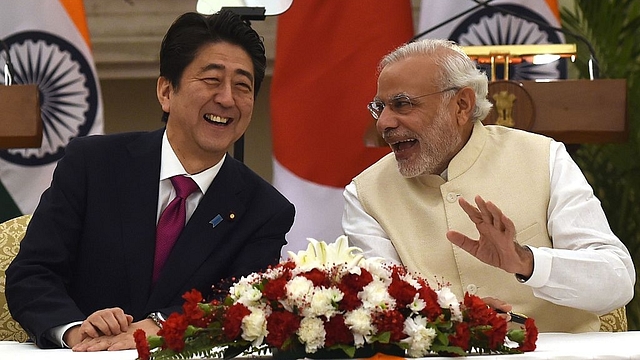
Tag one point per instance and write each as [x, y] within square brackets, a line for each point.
[158, 318]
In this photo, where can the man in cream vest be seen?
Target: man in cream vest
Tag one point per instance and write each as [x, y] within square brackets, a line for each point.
[492, 211]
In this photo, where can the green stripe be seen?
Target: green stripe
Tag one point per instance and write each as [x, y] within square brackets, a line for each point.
[8, 207]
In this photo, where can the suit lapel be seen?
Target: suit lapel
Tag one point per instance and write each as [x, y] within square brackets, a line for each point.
[222, 205]
[139, 198]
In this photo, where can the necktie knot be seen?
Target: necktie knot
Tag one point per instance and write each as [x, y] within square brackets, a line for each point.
[184, 186]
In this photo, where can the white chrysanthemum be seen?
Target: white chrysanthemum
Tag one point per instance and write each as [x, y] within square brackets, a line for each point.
[312, 334]
[250, 296]
[241, 287]
[323, 302]
[376, 296]
[299, 290]
[254, 326]
[419, 336]
[447, 299]
[360, 324]
[417, 304]
[378, 269]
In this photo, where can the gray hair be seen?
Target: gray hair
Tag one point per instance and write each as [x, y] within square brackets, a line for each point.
[458, 70]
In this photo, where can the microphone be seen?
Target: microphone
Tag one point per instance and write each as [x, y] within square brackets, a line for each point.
[8, 67]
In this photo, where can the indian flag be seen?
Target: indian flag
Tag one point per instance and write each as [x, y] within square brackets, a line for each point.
[327, 52]
[48, 45]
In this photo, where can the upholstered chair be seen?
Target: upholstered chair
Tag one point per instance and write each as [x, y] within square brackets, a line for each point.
[614, 321]
[11, 233]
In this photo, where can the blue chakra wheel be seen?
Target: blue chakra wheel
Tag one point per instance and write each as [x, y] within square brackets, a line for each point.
[68, 92]
[492, 26]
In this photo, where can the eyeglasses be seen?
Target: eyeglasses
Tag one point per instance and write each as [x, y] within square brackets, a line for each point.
[401, 103]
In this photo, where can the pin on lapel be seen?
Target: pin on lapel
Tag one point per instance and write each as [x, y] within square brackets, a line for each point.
[232, 216]
[216, 220]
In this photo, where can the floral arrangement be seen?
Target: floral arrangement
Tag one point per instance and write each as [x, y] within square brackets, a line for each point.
[331, 298]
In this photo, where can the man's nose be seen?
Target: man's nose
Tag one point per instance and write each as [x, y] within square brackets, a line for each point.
[386, 120]
[224, 95]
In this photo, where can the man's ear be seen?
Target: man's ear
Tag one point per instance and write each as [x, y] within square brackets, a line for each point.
[164, 90]
[466, 103]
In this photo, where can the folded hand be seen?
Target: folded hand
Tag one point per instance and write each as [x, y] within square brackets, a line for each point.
[121, 341]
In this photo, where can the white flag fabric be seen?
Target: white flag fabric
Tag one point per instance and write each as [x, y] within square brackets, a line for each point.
[500, 22]
[48, 43]
[327, 52]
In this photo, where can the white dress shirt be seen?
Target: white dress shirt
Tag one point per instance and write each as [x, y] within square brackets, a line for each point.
[171, 166]
[585, 251]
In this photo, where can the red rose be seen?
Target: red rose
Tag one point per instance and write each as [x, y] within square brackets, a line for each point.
[350, 285]
[531, 336]
[478, 312]
[142, 345]
[391, 321]
[402, 291]
[192, 312]
[355, 281]
[350, 300]
[232, 321]
[497, 332]
[337, 332]
[193, 297]
[275, 289]
[317, 277]
[173, 331]
[432, 309]
[462, 337]
[281, 325]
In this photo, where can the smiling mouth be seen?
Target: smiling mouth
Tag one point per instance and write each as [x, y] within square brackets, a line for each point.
[402, 145]
[217, 120]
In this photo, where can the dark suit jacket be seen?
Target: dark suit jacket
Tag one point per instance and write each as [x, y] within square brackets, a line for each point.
[90, 244]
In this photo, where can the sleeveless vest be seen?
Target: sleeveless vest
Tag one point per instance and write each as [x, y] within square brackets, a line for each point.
[505, 166]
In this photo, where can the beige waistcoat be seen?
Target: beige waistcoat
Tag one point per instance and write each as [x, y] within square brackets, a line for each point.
[505, 166]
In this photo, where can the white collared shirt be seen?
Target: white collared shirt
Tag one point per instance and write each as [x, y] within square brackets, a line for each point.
[170, 166]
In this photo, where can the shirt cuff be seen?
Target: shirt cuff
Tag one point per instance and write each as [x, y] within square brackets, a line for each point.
[541, 268]
[56, 334]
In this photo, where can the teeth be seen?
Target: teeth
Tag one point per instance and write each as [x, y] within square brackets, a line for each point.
[216, 119]
[401, 141]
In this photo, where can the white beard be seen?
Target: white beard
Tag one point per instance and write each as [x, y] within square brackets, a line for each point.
[436, 147]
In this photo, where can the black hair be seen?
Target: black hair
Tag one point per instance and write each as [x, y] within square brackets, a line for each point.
[190, 31]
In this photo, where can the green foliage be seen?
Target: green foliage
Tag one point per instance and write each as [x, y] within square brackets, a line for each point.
[613, 28]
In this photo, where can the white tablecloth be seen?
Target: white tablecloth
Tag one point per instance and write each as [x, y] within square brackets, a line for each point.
[623, 345]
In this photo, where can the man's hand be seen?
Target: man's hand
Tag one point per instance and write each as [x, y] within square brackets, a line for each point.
[496, 245]
[501, 307]
[121, 341]
[111, 321]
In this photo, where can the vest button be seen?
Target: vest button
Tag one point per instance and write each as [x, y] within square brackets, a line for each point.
[472, 289]
[452, 197]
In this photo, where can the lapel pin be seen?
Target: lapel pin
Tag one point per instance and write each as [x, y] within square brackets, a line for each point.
[232, 216]
[216, 220]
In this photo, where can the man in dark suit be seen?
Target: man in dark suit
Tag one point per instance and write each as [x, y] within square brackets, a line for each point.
[88, 273]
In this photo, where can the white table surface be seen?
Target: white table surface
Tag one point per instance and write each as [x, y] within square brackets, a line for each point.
[623, 345]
